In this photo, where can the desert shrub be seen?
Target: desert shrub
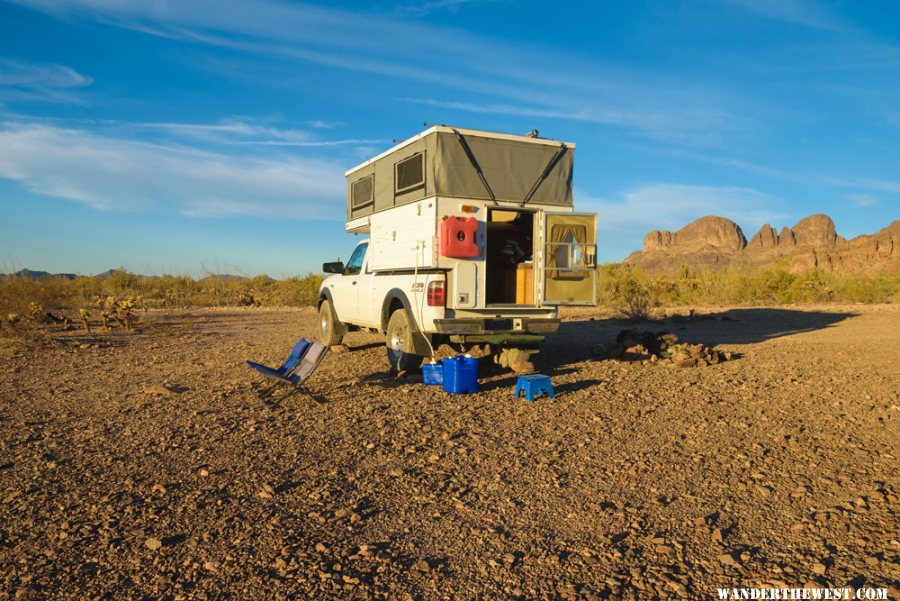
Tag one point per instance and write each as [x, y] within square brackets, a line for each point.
[296, 291]
[17, 294]
[120, 281]
[867, 289]
[633, 290]
[629, 291]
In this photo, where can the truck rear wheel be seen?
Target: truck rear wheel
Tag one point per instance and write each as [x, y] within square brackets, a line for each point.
[400, 343]
[331, 331]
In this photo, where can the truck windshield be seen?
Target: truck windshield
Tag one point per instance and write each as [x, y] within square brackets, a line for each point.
[354, 265]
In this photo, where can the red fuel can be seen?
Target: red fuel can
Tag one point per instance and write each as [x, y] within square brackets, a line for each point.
[458, 237]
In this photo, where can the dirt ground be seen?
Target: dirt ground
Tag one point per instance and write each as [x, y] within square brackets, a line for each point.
[144, 465]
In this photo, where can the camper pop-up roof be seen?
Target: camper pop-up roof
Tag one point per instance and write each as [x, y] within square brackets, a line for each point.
[463, 163]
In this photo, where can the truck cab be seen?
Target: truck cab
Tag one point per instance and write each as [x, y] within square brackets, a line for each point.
[461, 248]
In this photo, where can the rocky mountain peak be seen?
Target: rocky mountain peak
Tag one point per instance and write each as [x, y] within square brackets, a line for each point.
[714, 231]
[813, 243]
[815, 230]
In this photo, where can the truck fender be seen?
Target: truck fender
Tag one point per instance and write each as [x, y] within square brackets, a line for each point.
[396, 294]
[324, 294]
[420, 342]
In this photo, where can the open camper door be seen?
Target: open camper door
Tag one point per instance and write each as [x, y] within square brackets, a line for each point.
[570, 259]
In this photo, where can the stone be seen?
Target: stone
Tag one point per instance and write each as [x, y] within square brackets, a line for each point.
[729, 560]
[522, 368]
[154, 544]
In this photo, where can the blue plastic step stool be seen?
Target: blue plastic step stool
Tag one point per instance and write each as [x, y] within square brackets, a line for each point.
[534, 385]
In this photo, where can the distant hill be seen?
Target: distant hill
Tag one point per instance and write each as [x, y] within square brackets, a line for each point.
[40, 275]
[717, 242]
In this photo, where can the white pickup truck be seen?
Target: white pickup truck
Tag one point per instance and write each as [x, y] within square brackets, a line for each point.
[472, 240]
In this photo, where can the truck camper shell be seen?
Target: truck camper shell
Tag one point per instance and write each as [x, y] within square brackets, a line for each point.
[492, 211]
[472, 239]
[462, 163]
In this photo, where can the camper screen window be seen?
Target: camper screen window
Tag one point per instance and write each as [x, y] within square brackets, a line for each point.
[409, 173]
[363, 191]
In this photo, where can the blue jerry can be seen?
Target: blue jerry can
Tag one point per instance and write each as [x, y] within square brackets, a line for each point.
[460, 374]
[433, 373]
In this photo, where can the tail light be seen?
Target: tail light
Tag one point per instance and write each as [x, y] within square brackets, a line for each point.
[436, 294]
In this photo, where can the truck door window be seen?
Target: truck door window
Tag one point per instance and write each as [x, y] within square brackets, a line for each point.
[354, 265]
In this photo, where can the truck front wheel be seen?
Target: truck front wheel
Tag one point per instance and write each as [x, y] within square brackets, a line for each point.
[400, 344]
[331, 331]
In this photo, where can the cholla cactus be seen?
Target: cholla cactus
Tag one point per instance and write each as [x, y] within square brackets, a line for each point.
[171, 299]
[36, 311]
[120, 311]
[248, 299]
[12, 319]
[85, 315]
[107, 308]
[125, 312]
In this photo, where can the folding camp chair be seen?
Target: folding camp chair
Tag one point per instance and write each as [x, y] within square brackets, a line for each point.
[305, 357]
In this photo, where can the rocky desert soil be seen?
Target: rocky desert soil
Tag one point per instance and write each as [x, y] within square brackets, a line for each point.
[144, 465]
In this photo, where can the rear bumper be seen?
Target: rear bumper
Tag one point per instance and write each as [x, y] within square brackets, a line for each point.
[490, 327]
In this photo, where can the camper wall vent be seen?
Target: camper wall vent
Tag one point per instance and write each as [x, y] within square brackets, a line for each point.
[363, 191]
[409, 174]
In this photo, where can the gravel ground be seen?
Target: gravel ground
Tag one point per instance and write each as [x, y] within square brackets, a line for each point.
[144, 465]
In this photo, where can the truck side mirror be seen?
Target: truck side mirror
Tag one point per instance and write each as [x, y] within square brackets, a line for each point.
[333, 267]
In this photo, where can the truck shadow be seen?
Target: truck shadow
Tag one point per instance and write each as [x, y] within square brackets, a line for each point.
[493, 378]
[576, 340]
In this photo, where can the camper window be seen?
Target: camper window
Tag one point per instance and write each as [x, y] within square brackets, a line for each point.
[363, 191]
[409, 174]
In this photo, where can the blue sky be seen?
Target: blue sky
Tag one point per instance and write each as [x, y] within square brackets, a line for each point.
[192, 136]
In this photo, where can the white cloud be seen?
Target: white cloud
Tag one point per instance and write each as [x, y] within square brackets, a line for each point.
[420, 9]
[672, 206]
[656, 121]
[32, 75]
[795, 176]
[877, 184]
[22, 81]
[242, 132]
[521, 77]
[115, 174]
[324, 124]
[624, 221]
[863, 200]
[798, 12]
[231, 130]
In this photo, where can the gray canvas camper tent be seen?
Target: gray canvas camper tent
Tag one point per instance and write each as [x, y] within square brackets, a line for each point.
[463, 163]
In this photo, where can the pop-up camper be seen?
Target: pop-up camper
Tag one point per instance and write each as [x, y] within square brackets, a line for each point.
[472, 239]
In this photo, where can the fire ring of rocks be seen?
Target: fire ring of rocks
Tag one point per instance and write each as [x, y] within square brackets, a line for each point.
[663, 348]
